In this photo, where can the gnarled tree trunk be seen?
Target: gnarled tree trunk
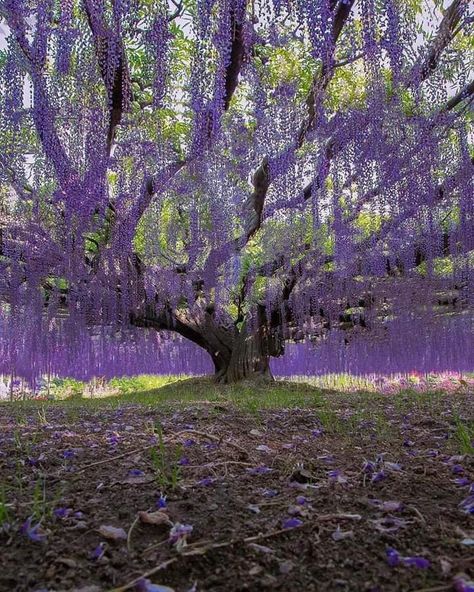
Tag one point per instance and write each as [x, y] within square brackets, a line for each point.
[237, 354]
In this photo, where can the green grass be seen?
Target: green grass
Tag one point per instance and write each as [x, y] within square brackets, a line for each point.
[172, 391]
[4, 513]
[464, 436]
[165, 463]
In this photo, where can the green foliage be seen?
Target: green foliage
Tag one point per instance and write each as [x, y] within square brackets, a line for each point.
[66, 388]
[137, 384]
[347, 88]
[4, 511]
[464, 436]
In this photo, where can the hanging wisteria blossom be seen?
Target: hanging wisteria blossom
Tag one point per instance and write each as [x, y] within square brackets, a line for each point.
[245, 174]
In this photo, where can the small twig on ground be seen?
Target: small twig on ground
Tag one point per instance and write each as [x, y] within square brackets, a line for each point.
[418, 513]
[215, 439]
[146, 575]
[102, 462]
[216, 464]
[129, 534]
[201, 549]
[441, 588]
[328, 517]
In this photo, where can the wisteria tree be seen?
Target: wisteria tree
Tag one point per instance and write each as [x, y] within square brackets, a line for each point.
[241, 172]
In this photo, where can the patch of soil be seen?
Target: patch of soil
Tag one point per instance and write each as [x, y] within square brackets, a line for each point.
[277, 500]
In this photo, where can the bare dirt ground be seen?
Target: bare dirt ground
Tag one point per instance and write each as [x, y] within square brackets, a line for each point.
[348, 492]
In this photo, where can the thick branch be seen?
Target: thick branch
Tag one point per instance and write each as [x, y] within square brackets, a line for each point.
[237, 52]
[446, 33]
[43, 113]
[110, 52]
[261, 180]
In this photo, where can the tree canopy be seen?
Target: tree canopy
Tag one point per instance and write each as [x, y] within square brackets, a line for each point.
[242, 172]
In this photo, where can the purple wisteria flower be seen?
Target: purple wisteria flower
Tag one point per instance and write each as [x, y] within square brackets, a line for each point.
[393, 557]
[98, 552]
[379, 476]
[419, 562]
[368, 467]
[33, 531]
[188, 442]
[179, 534]
[269, 492]
[462, 481]
[161, 502]
[136, 473]
[206, 481]
[184, 461]
[292, 523]
[113, 439]
[336, 476]
[467, 505]
[461, 583]
[62, 512]
[144, 585]
[67, 454]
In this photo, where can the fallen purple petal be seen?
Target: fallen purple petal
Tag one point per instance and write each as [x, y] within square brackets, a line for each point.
[292, 523]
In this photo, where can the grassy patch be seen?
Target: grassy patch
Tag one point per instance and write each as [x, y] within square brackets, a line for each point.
[464, 436]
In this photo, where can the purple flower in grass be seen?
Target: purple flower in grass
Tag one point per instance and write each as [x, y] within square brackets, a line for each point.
[292, 523]
[457, 470]
[33, 531]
